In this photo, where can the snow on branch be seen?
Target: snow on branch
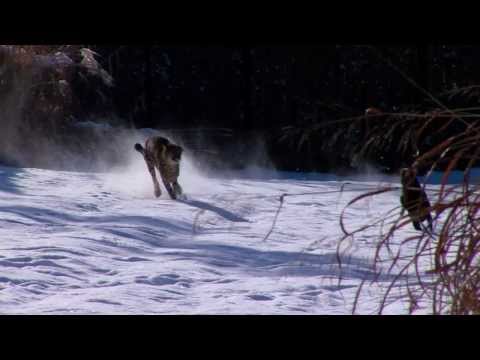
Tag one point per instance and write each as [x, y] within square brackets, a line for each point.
[59, 59]
[92, 65]
[30, 56]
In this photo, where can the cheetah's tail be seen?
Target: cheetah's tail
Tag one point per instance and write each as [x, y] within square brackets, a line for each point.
[140, 149]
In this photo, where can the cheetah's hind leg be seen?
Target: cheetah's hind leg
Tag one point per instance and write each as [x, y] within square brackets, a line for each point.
[151, 170]
[170, 189]
[416, 225]
[178, 191]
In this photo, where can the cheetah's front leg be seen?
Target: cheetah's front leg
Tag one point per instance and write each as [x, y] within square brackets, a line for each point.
[169, 189]
[177, 188]
[156, 185]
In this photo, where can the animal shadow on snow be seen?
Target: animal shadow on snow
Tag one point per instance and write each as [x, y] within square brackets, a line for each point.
[219, 211]
[174, 237]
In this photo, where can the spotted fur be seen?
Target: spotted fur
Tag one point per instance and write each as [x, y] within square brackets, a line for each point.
[414, 199]
[165, 156]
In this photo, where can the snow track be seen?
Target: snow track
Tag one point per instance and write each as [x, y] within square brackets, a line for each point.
[98, 243]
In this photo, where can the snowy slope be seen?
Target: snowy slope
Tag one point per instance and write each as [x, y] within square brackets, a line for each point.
[93, 243]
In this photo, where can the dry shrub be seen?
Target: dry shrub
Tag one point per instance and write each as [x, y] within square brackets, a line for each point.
[444, 269]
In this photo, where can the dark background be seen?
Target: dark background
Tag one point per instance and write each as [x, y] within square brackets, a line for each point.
[297, 107]
[264, 86]
[279, 93]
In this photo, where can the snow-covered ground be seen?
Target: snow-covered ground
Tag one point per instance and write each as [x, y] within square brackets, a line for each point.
[100, 243]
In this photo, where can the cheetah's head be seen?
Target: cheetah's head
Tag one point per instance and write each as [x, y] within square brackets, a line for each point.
[174, 153]
[408, 175]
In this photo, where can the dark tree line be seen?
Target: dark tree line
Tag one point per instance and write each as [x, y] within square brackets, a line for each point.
[265, 89]
[289, 98]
